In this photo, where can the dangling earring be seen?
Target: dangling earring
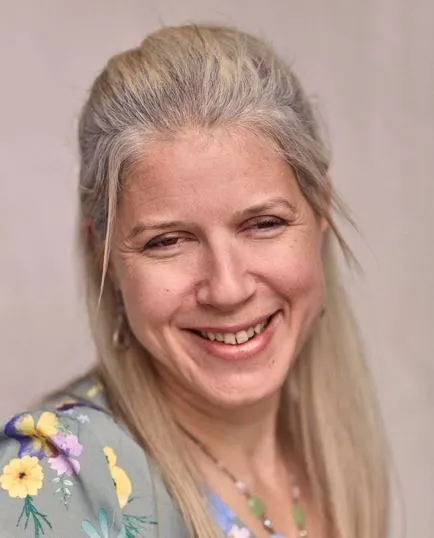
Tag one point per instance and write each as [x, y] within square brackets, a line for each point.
[120, 338]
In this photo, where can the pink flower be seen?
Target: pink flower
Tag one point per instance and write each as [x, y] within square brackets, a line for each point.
[67, 447]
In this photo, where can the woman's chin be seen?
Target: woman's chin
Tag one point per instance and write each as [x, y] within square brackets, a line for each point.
[243, 393]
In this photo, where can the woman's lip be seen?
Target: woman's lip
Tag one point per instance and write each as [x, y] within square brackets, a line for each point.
[231, 328]
[239, 352]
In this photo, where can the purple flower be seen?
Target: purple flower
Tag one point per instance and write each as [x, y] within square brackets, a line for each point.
[65, 406]
[35, 437]
[68, 448]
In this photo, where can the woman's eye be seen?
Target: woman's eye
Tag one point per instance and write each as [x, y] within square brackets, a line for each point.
[268, 223]
[163, 242]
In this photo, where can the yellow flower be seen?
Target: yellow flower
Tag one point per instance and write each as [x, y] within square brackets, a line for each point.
[120, 478]
[94, 390]
[34, 439]
[22, 477]
[110, 456]
[46, 426]
[122, 485]
[64, 405]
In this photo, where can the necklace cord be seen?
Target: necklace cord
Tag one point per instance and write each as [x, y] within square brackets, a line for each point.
[255, 503]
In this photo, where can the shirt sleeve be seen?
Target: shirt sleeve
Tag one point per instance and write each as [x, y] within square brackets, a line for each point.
[63, 474]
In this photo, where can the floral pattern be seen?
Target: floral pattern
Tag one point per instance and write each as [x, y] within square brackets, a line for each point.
[46, 465]
[239, 532]
[120, 478]
[34, 439]
[227, 520]
[68, 449]
[31, 513]
[94, 390]
[50, 444]
[103, 531]
[22, 477]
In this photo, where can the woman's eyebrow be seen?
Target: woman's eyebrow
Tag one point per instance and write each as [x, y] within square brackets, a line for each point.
[267, 206]
[142, 227]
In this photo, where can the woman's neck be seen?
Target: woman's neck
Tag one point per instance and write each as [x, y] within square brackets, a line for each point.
[244, 439]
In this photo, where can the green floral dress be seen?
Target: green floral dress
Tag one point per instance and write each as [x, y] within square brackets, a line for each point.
[70, 471]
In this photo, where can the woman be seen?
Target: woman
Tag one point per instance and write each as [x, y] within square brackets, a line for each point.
[231, 396]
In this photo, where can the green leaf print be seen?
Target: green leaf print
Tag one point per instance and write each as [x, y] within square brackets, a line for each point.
[133, 525]
[32, 514]
[103, 531]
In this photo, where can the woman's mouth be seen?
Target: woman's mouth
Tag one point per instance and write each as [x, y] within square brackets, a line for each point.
[235, 338]
[242, 344]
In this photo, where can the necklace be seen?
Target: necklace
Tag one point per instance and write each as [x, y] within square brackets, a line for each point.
[255, 504]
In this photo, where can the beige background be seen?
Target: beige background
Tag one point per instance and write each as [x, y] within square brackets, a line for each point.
[370, 62]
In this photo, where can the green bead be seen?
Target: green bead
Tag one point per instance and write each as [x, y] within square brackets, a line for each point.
[298, 515]
[256, 506]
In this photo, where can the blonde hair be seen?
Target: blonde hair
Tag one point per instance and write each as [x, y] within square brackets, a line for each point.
[203, 77]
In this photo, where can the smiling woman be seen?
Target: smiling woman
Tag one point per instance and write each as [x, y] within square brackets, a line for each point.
[231, 396]
[203, 266]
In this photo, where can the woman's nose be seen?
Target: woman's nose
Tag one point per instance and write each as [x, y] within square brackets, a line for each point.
[227, 282]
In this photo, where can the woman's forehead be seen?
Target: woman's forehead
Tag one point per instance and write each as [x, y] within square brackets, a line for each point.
[215, 166]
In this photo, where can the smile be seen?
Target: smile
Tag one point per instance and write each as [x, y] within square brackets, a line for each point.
[235, 338]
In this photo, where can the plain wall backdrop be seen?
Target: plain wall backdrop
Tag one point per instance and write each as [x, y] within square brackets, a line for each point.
[369, 64]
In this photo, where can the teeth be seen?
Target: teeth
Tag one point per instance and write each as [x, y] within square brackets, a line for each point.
[241, 337]
[230, 338]
[233, 339]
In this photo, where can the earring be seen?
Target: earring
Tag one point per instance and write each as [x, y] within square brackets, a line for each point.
[323, 312]
[120, 338]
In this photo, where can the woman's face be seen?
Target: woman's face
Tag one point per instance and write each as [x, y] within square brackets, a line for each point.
[218, 258]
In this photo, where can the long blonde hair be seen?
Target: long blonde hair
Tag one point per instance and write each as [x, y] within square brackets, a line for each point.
[204, 76]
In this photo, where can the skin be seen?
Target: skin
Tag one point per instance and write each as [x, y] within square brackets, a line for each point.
[221, 264]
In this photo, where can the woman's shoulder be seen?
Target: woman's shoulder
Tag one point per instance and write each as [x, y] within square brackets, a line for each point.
[70, 469]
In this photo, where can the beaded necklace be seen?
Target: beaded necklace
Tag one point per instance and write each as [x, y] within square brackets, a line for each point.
[255, 503]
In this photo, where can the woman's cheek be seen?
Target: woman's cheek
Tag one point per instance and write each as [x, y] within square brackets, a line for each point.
[153, 294]
[296, 267]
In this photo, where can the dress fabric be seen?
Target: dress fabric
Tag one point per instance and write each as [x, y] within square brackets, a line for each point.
[69, 470]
